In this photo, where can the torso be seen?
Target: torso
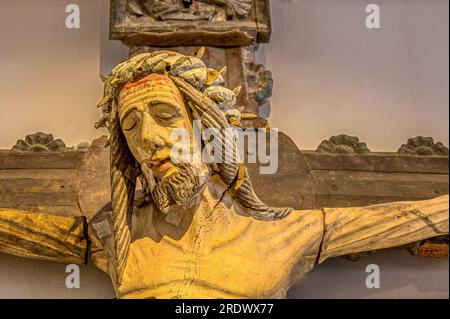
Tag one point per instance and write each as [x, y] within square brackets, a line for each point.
[221, 254]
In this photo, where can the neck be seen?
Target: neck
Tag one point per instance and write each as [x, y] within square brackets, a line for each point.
[148, 222]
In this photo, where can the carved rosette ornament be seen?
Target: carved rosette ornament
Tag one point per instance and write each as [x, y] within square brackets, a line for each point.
[40, 142]
[423, 146]
[343, 144]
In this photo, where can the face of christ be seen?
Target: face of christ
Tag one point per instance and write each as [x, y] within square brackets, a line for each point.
[149, 110]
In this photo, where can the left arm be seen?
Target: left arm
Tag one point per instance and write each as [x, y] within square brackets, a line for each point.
[353, 230]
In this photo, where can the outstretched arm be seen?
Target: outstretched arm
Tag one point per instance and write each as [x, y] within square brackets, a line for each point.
[352, 230]
[43, 236]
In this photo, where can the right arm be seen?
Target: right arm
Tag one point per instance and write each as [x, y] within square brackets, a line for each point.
[43, 236]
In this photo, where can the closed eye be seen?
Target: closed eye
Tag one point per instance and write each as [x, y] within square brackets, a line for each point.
[165, 112]
[130, 121]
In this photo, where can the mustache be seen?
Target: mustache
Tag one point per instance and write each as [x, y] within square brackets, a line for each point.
[178, 189]
[149, 180]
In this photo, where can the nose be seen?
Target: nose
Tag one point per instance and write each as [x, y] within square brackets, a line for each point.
[149, 133]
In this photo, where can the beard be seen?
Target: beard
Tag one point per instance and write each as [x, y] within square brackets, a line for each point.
[179, 190]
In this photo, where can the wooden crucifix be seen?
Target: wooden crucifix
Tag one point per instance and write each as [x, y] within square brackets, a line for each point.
[165, 228]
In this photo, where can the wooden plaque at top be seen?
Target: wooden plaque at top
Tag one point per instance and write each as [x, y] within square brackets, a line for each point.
[190, 22]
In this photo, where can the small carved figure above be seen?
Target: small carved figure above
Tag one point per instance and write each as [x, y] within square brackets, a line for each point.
[424, 146]
[343, 144]
[188, 9]
[169, 23]
[40, 142]
[200, 230]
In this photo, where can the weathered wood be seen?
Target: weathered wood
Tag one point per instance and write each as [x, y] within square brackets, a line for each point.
[423, 146]
[330, 180]
[24, 173]
[31, 160]
[343, 144]
[236, 75]
[352, 230]
[93, 183]
[436, 247]
[227, 38]
[43, 236]
[368, 177]
[36, 185]
[40, 174]
[331, 201]
[38, 199]
[263, 22]
[47, 190]
[381, 187]
[308, 180]
[291, 185]
[61, 210]
[184, 28]
[378, 162]
[40, 142]
[433, 250]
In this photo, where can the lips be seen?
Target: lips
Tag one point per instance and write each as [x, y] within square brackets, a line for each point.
[163, 167]
[160, 166]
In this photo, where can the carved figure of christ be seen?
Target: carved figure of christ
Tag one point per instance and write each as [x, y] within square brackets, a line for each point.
[193, 234]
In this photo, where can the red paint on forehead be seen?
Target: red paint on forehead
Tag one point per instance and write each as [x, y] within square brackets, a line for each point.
[153, 78]
[154, 82]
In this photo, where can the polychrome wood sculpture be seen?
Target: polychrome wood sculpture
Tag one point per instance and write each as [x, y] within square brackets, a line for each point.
[198, 230]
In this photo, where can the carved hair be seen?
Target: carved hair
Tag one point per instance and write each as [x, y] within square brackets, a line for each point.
[210, 102]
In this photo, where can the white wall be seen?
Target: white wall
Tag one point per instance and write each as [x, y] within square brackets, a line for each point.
[331, 76]
[49, 75]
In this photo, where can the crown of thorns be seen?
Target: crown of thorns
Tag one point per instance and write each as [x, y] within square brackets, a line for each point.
[209, 83]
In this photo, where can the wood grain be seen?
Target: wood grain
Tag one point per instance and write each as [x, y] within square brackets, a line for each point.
[29, 160]
[378, 162]
[43, 236]
[352, 230]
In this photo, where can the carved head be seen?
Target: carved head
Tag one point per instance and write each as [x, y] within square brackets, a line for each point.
[149, 110]
[145, 99]
[149, 96]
